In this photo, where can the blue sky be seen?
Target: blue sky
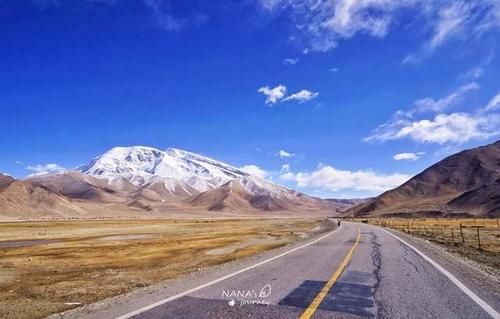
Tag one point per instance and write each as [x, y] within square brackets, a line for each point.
[340, 98]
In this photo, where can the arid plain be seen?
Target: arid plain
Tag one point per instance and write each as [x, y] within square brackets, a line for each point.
[49, 267]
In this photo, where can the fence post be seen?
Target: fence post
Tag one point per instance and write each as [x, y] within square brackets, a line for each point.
[452, 235]
[462, 234]
[478, 239]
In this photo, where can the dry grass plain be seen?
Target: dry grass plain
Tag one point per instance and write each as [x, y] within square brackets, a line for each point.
[49, 267]
[459, 235]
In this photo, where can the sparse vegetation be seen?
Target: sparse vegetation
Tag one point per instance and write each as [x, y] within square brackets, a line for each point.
[475, 238]
[47, 267]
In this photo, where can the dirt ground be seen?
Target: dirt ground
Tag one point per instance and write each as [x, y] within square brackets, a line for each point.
[49, 267]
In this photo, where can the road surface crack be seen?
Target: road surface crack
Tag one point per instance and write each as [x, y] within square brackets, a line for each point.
[377, 265]
[405, 255]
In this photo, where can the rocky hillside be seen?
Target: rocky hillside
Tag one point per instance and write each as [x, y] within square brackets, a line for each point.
[463, 183]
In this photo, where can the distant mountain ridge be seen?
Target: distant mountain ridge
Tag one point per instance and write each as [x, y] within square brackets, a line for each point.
[252, 192]
[467, 182]
[143, 181]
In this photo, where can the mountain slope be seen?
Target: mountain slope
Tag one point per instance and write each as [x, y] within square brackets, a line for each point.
[252, 193]
[165, 189]
[23, 199]
[484, 200]
[5, 180]
[77, 186]
[461, 183]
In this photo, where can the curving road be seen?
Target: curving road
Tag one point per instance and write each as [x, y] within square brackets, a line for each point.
[356, 271]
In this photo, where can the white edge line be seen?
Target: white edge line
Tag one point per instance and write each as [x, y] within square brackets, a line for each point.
[492, 312]
[182, 294]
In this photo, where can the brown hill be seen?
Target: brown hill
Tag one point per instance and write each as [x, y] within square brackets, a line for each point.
[465, 183]
[77, 186]
[5, 180]
[484, 200]
[230, 196]
[23, 199]
[72, 194]
[255, 194]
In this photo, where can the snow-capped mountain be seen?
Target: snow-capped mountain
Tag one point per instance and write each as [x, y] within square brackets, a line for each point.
[177, 176]
[142, 165]
[141, 181]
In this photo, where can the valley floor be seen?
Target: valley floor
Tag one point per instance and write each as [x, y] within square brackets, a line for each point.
[52, 266]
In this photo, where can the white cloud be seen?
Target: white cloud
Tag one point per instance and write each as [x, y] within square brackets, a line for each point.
[278, 94]
[410, 59]
[42, 169]
[284, 154]
[270, 4]
[494, 103]
[324, 23]
[457, 127]
[385, 131]
[273, 95]
[290, 61]
[162, 13]
[255, 170]
[326, 177]
[465, 19]
[451, 20]
[444, 128]
[471, 75]
[456, 97]
[334, 70]
[302, 96]
[460, 20]
[170, 18]
[408, 156]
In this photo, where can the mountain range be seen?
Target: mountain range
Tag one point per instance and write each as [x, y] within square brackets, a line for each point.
[142, 181]
[464, 184]
[139, 182]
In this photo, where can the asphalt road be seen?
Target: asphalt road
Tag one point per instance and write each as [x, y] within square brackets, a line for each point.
[383, 278]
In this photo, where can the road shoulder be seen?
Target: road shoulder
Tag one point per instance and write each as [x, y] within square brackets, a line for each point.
[482, 280]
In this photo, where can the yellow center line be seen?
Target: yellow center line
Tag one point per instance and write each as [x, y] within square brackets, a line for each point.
[311, 309]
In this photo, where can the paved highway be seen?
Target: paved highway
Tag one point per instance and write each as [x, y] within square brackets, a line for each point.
[356, 271]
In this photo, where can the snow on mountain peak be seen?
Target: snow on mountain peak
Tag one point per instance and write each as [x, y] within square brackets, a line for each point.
[141, 165]
[256, 185]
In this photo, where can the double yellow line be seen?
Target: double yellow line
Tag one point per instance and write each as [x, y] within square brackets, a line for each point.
[311, 309]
